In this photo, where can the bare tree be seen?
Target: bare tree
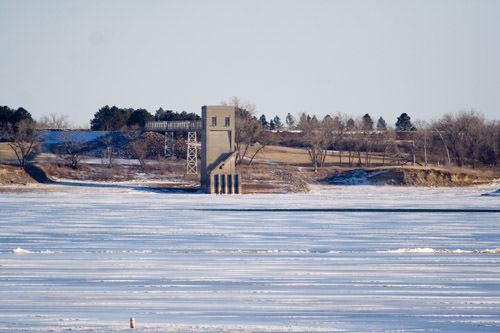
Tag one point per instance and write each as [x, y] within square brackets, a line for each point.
[495, 144]
[366, 141]
[138, 146]
[489, 152]
[462, 135]
[265, 139]
[338, 136]
[329, 129]
[248, 129]
[444, 144]
[422, 138]
[72, 147]
[108, 155]
[389, 144]
[54, 121]
[23, 140]
[348, 138]
[315, 139]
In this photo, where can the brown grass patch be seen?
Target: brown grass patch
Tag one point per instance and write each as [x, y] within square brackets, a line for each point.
[10, 175]
[265, 178]
[6, 153]
[300, 157]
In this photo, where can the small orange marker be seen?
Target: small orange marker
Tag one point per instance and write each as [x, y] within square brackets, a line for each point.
[132, 322]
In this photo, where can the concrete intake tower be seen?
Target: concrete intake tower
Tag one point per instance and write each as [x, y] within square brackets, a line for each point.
[218, 156]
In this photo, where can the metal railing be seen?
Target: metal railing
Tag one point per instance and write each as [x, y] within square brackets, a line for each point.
[183, 125]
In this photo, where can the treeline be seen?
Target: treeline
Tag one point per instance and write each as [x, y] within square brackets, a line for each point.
[119, 119]
[18, 129]
[464, 139]
[105, 119]
[355, 141]
[11, 119]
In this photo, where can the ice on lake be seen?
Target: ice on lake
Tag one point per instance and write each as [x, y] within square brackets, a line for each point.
[88, 258]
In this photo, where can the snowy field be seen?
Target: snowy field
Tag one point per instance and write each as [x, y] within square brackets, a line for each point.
[344, 258]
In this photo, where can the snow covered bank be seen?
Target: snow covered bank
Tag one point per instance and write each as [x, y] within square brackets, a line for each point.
[407, 176]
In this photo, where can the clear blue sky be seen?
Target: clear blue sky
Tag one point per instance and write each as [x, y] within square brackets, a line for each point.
[425, 58]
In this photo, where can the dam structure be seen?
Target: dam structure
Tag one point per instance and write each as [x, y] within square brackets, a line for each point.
[218, 154]
[218, 173]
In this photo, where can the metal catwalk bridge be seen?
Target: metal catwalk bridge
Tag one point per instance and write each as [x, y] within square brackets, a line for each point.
[174, 126]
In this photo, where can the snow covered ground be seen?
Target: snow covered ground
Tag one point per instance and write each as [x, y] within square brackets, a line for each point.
[89, 257]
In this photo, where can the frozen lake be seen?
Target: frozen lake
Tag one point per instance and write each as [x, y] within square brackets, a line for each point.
[342, 258]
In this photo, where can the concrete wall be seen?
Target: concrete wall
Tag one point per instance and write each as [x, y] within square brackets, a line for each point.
[224, 179]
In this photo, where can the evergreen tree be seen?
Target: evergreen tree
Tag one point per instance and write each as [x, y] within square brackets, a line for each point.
[350, 125]
[21, 114]
[139, 117]
[189, 116]
[303, 121]
[404, 123]
[110, 119]
[6, 116]
[170, 115]
[277, 123]
[272, 125]
[11, 117]
[367, 123]
[381, 124]
[160, 114]
[263, 121]
[290, 121]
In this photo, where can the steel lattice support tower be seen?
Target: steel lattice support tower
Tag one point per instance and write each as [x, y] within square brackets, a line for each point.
[192, 154]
